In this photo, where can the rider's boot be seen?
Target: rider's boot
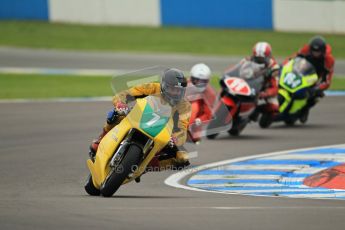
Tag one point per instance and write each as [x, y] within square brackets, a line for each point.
[168, 160]
[95, 143]
[177, 163]
[182, 159]
[113, 119]
[270, 112]
[255, 115]
[304, 115]
[303, 118]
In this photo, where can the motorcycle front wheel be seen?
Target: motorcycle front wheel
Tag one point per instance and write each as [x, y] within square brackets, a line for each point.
[119, 175]
[90, 188]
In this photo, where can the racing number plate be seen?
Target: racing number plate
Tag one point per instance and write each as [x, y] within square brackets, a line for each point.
[238, 86]
[292, 80]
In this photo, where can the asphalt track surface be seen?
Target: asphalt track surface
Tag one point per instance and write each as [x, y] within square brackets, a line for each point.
[30, 58]
[43, 149]
[43, 152]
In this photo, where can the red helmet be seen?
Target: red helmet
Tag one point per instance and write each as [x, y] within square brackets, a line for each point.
[262, 53]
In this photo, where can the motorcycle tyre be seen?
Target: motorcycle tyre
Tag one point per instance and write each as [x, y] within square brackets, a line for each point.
[117, 177]
[90, 188]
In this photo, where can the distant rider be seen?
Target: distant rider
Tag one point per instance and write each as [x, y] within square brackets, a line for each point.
[200, 94]
[171, 89]
[319, 54]
[262, 55]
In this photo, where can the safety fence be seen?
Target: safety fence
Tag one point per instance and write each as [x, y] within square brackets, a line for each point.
[282, 15]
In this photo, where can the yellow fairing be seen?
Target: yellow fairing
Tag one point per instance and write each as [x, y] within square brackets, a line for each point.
[287, 100]
[110, 142]
[100, 168]
[297, 105]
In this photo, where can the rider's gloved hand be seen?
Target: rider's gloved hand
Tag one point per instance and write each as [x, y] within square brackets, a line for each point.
[262, 95]
[198, 121]
[121, 108]
[112, 117]
[172, 141]
[319, 93]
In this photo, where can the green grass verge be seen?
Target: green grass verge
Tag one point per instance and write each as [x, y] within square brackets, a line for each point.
[40, 86]
[338, 83]
[146, 39]
[29, 86]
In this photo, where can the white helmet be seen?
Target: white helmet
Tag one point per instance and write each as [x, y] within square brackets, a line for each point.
[200, 75]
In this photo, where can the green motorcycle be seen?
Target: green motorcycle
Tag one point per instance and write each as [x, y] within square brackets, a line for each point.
[296, 82]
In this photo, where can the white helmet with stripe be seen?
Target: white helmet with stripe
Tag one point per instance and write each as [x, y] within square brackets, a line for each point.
[262, 52]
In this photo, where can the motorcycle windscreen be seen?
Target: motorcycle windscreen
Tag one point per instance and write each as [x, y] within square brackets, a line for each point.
[125, 81]
[303, 67]
[253, 74]
[246, 69]
[155, 115]
[250, 72]
[220, 120]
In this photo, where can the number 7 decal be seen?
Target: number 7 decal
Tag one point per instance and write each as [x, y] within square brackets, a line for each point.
[155, 118]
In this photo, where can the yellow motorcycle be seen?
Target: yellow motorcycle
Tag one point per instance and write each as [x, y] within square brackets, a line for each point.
[127, 149]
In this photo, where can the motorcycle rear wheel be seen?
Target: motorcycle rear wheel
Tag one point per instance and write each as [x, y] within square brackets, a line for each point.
[119, 175]
[290, 122]
[265, 120]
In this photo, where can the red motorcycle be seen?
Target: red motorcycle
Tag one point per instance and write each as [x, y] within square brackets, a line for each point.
[238, 98]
